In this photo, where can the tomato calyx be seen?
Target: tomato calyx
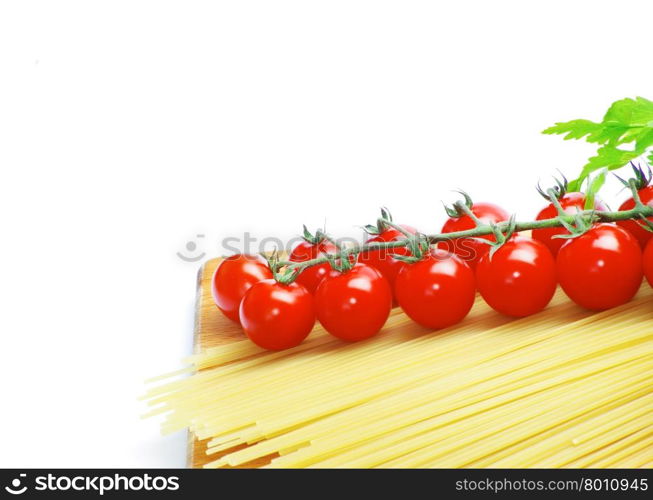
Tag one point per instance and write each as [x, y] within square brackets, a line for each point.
[314, 239]
[280, 272]
[464, 207]
[642, 178]
[340, 262]
[560, 189]
[554, 194]
[580, 225]
[456, 209]
[418, 247]
[329, 251]
[417, 244]
[384, 223]
[500, 236]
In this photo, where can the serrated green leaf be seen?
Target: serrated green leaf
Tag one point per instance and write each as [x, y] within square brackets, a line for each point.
[607, 156]
[637, 112]
[600, 133]
[611, 133]
[575, 129]
[631, 134]
[620, 111]
[627, 121]
[611, 157]
[642, 113]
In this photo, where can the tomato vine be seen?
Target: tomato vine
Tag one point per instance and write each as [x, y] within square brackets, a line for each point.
[577, 224]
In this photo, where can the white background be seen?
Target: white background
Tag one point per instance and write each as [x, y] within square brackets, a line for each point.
[129, 127]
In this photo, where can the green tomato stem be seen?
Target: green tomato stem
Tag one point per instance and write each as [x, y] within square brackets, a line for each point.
[589, 216]
[632, 184]
[463, 207]
[555, 201]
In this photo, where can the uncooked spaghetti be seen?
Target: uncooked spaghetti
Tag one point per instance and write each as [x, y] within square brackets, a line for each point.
[563, 388]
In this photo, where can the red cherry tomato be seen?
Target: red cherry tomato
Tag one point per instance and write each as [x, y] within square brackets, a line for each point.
[231, 280]
[276, 316]
[382, 260]
[571, 203]
[601, 268]
[353, 305]
[438, 291]
[648, 262]
[468, 249]
[643, 236]
[519, 279]
[304, 251]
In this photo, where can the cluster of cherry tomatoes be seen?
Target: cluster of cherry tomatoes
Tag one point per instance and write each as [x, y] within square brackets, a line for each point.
[600, 269]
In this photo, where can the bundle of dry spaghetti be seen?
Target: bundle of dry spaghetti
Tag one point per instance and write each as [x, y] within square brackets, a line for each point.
[563, 388]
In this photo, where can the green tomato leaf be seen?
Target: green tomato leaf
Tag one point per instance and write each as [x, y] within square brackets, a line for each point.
[642, 114]
[635, 112]
[644, 139]
[594, 186]
[575, 129]
[611, 157]
[627, 121]
[612, 133]
[607, 156]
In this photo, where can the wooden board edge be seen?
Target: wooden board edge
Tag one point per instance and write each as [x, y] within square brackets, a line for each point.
[191, 441]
